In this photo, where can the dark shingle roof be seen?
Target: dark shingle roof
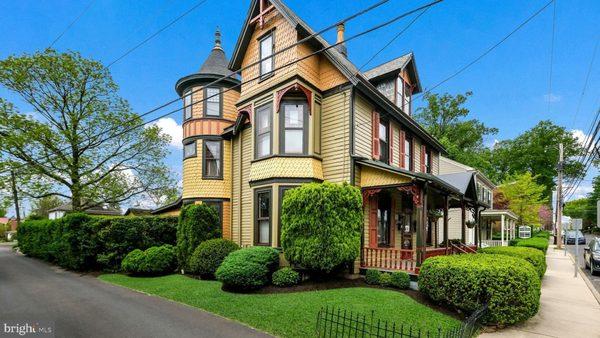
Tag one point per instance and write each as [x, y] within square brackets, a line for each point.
[388, 67]
[216, 62]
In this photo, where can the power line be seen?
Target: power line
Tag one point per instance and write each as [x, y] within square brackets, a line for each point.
[489, 50]
[376, 27]
[549, 99]
[71, 24]
[153, 35]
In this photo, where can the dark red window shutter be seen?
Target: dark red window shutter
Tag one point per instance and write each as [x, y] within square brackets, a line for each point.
[375, 135]
[423, 150]
[391, 144]
[373, 221]
[401, 138]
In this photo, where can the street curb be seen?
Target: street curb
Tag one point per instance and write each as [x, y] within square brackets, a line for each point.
[587, 280]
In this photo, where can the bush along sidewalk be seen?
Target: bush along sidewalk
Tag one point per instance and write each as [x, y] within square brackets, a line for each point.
[510, 286]
[533, 256]
[81, 242]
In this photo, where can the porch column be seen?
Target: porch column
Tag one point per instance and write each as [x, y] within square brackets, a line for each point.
[446, 221]
[477, 225]
[502, 229]
[422, 216]
[463, 229]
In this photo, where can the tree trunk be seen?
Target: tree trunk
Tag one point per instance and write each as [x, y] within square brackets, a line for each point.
[15, 196]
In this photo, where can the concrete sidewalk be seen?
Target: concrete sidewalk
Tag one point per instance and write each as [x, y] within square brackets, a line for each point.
[567, 307]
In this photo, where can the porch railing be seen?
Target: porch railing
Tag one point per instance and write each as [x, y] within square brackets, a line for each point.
[388, 259]
[491, 242]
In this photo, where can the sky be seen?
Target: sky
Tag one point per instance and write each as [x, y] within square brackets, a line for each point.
[511, 85]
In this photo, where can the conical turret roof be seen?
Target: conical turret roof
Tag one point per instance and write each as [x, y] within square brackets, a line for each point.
[216, 62]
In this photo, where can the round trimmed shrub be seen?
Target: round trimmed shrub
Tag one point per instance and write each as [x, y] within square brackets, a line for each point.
[209, 255]
[533, 256]
[157, 260]
[248, 268]
[372, 276]
[539, 243]
[285, 277]
[197, 223]
[400, 280]
[509, 287]
[385, 279]
[321, 225]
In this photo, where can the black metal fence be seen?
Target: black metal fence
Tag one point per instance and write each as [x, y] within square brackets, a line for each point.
[336, 322]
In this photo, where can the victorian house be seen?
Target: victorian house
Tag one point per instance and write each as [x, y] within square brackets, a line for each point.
[304, 113]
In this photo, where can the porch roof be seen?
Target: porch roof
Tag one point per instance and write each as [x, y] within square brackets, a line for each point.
[415, 176]
[464, 182]
[498, 213]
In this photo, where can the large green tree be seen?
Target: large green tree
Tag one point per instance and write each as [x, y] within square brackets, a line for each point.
[524, 196]
[446, 118]
[536, 151]
[80, 139]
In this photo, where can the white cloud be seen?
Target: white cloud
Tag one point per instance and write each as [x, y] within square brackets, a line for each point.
[582, 138]
[581, 191]
[552, 98]
[170, 127]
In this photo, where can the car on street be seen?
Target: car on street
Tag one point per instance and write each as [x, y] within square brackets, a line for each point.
[571, 235]
[591, 256]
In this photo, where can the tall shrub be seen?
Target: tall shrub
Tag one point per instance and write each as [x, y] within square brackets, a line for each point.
[321, 225]
[248, 268]
[508, 285]
[533, 256]
[119, 236]
[209, 255]
[35, 238]
[76, 241]
[197, 223]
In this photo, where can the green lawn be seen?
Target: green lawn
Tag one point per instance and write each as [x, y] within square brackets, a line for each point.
[285, 314]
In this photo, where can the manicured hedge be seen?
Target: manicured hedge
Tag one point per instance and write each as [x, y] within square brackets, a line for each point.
[372, 276]
[533, 256]
[321, 224]
[539, 243]
[248, 268]
[197, 223]
[81, 242]
[509, 286]
[209, 255]
[157, 260]
[400, 280]
[285, 277]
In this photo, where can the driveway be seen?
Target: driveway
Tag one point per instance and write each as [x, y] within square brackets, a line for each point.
[74, 305]
[595, 280]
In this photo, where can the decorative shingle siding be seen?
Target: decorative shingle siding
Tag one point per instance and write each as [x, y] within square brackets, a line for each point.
[371, 177]
[193, 184]
[286, 167]
[335, 138]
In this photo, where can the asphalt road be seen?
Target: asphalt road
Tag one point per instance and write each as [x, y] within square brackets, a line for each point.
[594, 279]
[74, 305]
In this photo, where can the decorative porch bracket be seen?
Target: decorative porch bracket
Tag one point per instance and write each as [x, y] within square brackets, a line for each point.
[296, 87]
[368, 192]
[413, 190]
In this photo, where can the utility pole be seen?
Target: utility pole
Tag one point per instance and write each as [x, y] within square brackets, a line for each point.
[559, 197]
[15, 196]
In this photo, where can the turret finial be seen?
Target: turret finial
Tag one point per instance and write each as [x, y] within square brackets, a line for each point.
[218, 38]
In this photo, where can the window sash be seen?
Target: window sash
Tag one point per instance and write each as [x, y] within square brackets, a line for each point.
[263, 217]
[408, 154]
[263, 139]
[294, 127]
[384, 140]
[213, 101]
[212, 161]
[189, 150]
[266, 52]
[187, 105]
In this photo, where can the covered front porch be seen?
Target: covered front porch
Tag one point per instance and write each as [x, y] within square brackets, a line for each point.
[498, 227]
[402, 220]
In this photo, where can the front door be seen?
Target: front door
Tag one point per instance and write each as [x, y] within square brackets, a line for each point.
[384, 221]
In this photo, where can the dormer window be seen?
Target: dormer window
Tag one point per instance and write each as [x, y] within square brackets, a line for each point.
[267, 62]
[403, 95]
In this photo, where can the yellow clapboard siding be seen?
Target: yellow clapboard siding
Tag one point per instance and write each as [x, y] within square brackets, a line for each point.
[362, 127]
[334, 137]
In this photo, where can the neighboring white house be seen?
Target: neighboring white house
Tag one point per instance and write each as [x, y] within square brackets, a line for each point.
[62, 210]
[491, 221]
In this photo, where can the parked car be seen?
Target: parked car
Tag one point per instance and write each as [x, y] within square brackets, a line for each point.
[591, 256]
[570, 236]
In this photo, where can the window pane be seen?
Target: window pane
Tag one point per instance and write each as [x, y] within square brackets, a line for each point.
[263, 232]
[263, 145]
[213, 105]
[213, 149]
[187, 101]
[294, 140]
[263, 119]
[266, 50]
[213, 168]
[189, 149]
[264, 205]
[294, 115]
[383, 132]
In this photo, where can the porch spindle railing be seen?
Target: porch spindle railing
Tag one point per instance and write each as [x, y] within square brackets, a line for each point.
[388, 259]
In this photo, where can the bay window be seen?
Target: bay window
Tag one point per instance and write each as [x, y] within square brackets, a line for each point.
[263, 131]
[262, 233]
[293, 127]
